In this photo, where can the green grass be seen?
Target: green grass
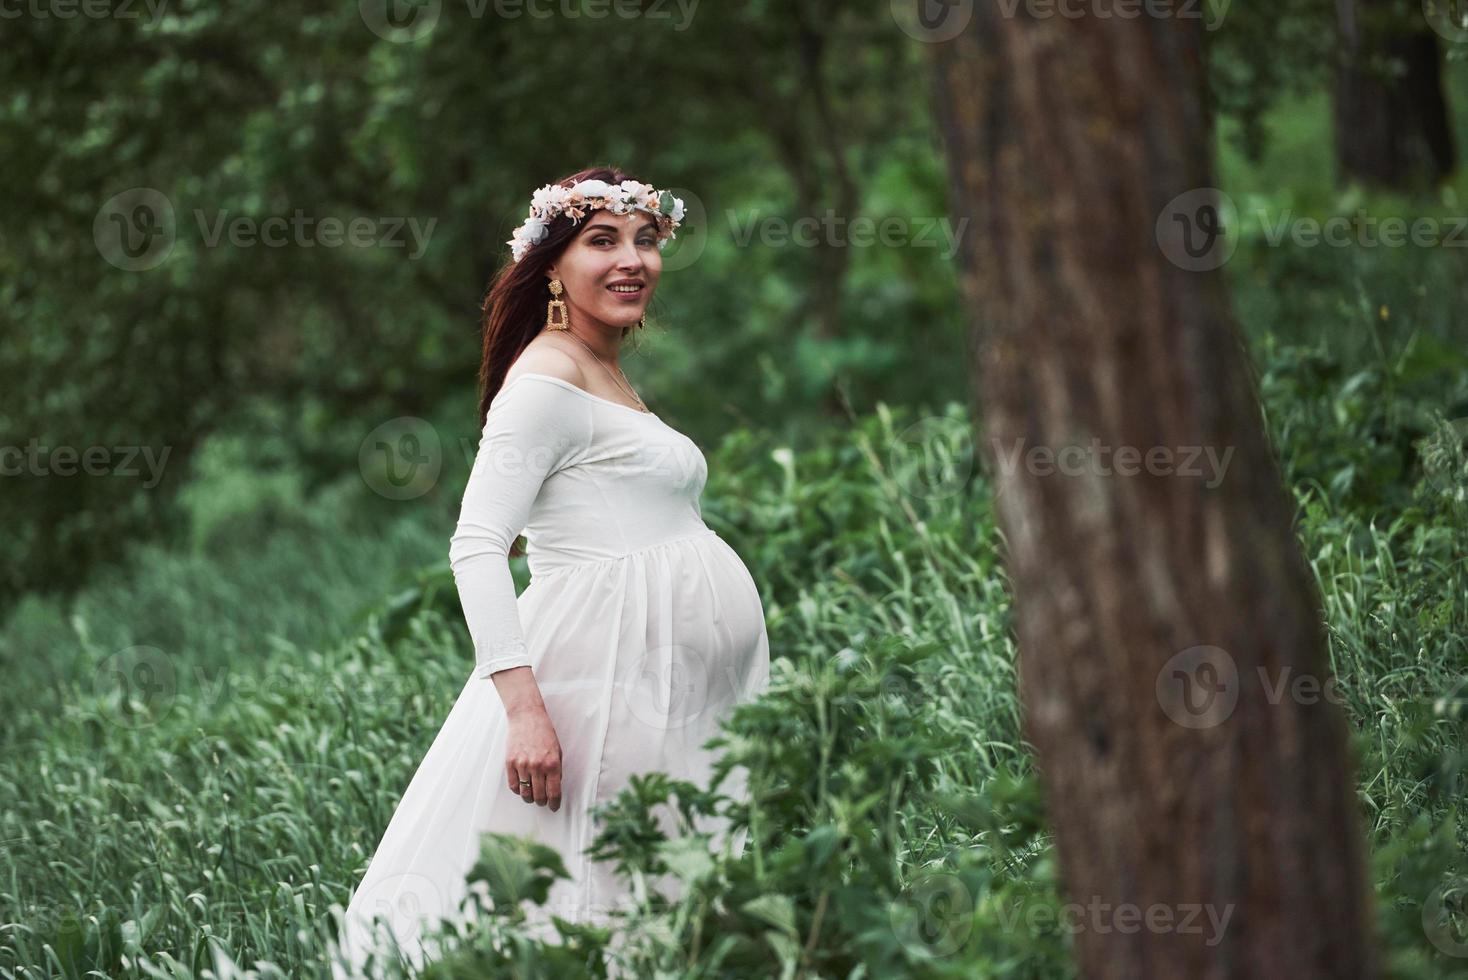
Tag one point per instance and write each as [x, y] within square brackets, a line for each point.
[223, 815]
[304, 650]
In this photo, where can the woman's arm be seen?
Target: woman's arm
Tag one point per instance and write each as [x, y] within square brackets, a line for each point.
[532, 749]
[534, 428]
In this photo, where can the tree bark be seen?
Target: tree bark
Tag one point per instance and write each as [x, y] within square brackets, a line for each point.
[1139, 586]
[1391, 117]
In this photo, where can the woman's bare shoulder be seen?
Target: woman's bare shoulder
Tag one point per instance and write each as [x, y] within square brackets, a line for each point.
[544, 356]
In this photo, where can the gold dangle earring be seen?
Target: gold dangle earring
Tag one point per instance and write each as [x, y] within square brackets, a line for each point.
[556, 316]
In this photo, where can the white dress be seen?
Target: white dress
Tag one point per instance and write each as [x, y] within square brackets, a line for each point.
[641, 625]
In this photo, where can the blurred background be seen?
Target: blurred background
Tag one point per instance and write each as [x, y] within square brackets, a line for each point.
[241, 261]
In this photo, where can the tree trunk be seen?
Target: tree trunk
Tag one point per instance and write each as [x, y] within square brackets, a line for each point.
[1391, 118]
[1157, 610]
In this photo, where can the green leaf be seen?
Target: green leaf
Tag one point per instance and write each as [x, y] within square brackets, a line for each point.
[515, 868]
[776, 910]
[687, 857]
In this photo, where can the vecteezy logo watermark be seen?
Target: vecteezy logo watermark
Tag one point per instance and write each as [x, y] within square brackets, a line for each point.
[60, 925]
[1159, 918]
[38, 460]
[1198, 229]
[1448, 17]
[90, 9]
[839, 232]
[934, 915]
[306, 231]
[941, 20]
[405, 21]
[679, 11]
[932, 21]
[1363, 230]
[682, 463]
[401, 458]
[1200, 687]
[408, 902]
[693, 232]
[933, 457]
[1444, 915]
[1210, 14]
[672, 685]
[137, 685]
[136, 230]
[1191, 462]
[400, 21]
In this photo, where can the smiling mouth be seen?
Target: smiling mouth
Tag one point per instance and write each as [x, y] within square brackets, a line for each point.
[627, 290]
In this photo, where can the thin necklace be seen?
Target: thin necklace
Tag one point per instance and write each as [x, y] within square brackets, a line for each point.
[625, 387]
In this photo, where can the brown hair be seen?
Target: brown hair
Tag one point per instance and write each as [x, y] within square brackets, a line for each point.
[514, 306]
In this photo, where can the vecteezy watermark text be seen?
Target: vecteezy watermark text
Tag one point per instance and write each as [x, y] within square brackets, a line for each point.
[136, 230]
[1200, 229]
[934, 21]
[406, 21]
[839, 231]
[1364, 230]
[1211, 15]
[151, 10]
[1200, 687]
[38, 460]
[1096, 459]
[1186, 918]
[306, 231]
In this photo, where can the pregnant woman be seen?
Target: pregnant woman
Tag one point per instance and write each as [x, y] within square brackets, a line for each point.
[640, 630]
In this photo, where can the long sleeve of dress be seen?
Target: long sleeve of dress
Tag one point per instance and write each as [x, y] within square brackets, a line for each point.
[534, 428]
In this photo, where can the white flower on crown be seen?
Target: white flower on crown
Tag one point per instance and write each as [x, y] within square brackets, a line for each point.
[549, 196]
[593, 188]
[530, 233]
[534, 229]
[553, 199]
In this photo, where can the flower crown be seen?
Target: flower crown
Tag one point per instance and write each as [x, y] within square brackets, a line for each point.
[588, 195]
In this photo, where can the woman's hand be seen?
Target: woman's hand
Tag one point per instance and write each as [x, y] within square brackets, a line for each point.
[532, 752]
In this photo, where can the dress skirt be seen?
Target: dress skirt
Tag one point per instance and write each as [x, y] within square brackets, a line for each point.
[638, 658]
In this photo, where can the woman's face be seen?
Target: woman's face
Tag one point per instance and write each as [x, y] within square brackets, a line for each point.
[610, 248]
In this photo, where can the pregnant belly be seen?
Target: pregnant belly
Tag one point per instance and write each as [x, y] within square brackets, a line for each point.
[739, 596]
[704, 646]
[689, 607]
[640, 660]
